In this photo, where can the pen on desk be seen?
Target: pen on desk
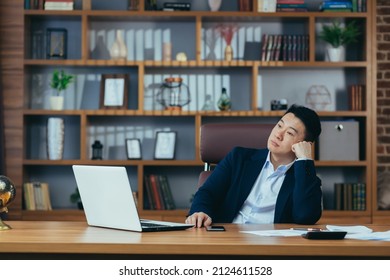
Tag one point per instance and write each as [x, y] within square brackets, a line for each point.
[307, 229]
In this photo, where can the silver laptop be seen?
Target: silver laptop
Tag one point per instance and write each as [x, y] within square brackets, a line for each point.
[108, 201]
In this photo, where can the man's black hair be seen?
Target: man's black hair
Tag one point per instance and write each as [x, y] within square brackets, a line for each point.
[309, 118]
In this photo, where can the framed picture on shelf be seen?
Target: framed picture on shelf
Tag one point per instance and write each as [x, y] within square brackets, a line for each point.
[114, 91]
[165, 145]
[133, 148]
[56, 43]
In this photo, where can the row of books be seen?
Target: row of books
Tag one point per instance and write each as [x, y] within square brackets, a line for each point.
[303, 6]
[291, 6]
[350, 196]
[66, 5]
[356, 98]
[36, 196]
[158, 194]
[33, 4]
[343, 6]
[285, 47]
[245, 5]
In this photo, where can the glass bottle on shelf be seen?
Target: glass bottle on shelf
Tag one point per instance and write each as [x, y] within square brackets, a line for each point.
[208, 104]
[224, 103]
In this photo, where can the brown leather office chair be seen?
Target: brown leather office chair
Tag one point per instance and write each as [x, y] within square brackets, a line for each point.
[216, 141]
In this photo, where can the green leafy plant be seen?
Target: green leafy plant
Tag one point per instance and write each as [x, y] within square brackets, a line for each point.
[75, 198]
[60, 81]
[337, 35]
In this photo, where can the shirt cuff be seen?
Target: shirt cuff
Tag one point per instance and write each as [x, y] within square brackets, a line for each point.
[298, 159]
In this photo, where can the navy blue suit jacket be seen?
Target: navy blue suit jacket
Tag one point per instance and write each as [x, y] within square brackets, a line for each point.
[222, 195]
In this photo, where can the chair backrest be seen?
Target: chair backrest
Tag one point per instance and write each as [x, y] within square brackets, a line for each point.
[216, 141]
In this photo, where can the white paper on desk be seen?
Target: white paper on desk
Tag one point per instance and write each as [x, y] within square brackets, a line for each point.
[361, 232]
[350, 229]
[277, 232]
[379, 235]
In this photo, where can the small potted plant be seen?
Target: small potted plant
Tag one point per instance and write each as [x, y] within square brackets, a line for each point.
[75, 198]
[59, 82]
[337, 36]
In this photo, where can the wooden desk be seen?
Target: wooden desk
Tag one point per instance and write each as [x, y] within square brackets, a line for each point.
[76, 239]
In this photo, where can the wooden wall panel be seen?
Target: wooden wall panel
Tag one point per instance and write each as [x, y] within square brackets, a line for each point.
[12, 80]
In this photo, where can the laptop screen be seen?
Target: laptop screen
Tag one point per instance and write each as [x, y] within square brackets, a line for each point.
[108, 200]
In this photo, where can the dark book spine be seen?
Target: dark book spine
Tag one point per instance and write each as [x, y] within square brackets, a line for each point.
[148, 198]
[156, 192]
[168, 193]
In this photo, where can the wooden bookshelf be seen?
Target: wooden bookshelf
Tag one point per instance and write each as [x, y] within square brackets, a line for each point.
[27, 164]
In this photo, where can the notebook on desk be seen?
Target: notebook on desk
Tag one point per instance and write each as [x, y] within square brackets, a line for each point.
[108, 200]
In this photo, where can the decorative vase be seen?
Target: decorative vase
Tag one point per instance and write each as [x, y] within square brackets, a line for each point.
[55, 138]
[215, 5]
[208, 104]
[228, 53]
[100, 51]
[118, 49]
[224, 103]
[167, 51]
[335, 54]
[56, 102]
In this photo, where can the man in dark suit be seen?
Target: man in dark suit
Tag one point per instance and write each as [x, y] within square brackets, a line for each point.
[274, 185]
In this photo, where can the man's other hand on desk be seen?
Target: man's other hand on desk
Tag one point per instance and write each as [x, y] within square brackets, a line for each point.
[199, 219]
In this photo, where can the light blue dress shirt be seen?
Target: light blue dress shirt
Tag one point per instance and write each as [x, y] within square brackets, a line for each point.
[259, 207]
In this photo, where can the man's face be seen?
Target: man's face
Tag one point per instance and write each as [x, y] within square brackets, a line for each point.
[288, 131]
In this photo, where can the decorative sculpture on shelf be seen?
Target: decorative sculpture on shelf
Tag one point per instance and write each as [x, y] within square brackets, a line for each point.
[173, 94]
[7, 195]
[318, 98]
[97, 150]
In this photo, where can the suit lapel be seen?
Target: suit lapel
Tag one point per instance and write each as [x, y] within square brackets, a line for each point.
[251, 169]
[284, 193]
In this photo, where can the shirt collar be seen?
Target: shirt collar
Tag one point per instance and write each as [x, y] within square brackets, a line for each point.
[282, 169]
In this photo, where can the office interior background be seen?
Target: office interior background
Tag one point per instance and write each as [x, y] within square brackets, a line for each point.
[12, 86]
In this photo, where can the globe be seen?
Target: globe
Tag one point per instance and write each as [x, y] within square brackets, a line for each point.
[7, 195]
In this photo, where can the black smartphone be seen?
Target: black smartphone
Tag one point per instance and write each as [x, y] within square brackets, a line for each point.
[215, 228]
[324, 234]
